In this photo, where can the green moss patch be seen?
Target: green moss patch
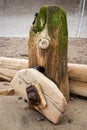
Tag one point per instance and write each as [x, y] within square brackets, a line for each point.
[56, 20]
[40, 20]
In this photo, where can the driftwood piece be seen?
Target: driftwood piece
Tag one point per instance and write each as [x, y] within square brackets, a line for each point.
[56, 103]
[78, 72]
[9, 67]
[48, 46]
[78, 88]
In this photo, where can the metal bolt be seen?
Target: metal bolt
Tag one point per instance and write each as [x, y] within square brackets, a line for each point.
[32, 94]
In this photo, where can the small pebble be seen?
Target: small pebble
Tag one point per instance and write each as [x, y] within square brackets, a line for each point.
[40, 119]
[71, 99]
[70, 120]
[75, 109]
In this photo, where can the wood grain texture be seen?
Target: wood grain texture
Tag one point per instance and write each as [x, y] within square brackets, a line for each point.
[10, 66]
[78, 72]
[56, 103]
[51, 24]
[7, 92]
[78, 88]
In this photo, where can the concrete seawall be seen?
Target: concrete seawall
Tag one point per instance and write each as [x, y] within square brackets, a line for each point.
[16, 16]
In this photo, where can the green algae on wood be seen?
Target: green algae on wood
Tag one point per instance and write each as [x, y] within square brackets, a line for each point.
[41, 20]
[51, 24]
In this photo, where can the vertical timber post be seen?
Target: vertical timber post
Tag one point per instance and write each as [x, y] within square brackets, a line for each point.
[47, 45]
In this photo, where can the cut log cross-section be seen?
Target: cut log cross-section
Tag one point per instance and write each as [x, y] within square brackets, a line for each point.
[48, 46]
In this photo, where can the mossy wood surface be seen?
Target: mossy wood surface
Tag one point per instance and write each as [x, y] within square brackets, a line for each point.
[51, 24]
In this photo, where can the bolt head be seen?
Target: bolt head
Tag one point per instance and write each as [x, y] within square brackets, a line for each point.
[32, 94]
[44, 43]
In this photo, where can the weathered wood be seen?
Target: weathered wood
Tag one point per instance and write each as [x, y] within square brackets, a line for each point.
[78, 88]
[13, 63]
[9, 67]
[7, 74]
[78, 72]
[7, 92]
[78, 79]
[56, 103]
[48, 45]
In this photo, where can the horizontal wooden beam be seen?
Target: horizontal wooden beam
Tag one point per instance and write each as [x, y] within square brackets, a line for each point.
[78, 88]
[10, 66]
[77, 73]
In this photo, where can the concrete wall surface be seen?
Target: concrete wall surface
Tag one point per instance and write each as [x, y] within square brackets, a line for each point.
[16, 16]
